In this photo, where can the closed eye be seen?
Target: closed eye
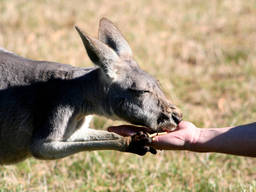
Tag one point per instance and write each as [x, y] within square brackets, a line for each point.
[138, 91]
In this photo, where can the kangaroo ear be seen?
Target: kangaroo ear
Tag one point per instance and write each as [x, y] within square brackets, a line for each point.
[110, 35]
[100, 54]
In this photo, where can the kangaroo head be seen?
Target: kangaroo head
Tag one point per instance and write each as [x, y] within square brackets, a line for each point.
[133, 94]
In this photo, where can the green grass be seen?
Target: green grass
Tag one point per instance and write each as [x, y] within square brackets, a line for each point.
[202, 52]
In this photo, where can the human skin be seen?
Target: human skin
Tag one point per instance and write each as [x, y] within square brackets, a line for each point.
[237, 140]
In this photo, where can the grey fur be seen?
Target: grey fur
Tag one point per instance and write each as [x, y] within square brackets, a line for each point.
[44, 105]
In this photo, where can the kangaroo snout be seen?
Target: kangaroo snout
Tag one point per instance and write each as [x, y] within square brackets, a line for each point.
[169, 119]
[177, 117]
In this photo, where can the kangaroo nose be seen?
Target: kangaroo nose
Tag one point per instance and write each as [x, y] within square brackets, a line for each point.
[177, 117]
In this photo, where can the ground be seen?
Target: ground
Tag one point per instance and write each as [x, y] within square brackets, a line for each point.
[202, 52]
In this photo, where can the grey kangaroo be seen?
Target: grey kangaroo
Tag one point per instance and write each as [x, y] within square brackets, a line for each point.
[45, 107]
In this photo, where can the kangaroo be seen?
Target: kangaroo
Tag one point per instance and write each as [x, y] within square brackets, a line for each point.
[45, 107]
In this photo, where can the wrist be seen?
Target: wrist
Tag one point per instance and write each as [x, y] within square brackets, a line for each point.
[193, 141]
[206, 140]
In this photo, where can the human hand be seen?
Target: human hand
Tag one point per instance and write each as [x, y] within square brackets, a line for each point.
[180, 139]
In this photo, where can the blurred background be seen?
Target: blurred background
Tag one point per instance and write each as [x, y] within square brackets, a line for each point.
[202, 52]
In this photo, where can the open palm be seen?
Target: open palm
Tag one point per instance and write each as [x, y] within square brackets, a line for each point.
[179, 139]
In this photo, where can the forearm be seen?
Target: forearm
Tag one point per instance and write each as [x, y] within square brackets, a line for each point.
[240, 140]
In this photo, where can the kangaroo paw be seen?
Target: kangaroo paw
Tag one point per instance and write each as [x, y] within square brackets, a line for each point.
[139, 144]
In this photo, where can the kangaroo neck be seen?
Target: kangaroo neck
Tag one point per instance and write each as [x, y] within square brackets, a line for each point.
[95, 93]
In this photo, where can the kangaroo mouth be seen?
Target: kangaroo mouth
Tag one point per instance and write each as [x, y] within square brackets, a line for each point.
[167, 127]
[163, 125]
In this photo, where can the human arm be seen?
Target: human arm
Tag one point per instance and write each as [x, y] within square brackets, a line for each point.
[238, 140]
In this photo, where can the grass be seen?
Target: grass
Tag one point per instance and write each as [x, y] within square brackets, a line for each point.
[202, 52]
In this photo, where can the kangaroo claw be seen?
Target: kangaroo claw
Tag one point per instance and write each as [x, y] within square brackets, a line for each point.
[139, 144]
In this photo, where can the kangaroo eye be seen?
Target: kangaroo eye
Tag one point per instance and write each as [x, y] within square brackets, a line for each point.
[138, 91]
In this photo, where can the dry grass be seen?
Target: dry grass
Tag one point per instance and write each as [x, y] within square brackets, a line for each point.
[203, 53]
